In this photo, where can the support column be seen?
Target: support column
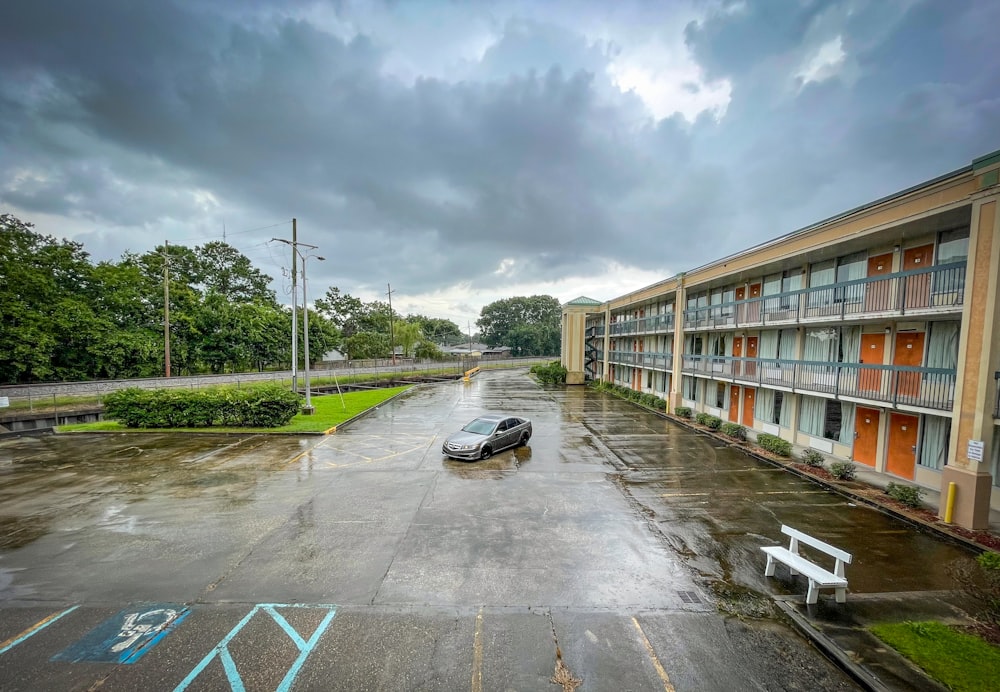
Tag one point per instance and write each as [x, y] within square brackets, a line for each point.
[606, 363]
[680, 302]
[970, 445]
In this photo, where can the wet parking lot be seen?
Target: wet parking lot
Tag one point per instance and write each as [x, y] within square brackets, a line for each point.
[615, 551]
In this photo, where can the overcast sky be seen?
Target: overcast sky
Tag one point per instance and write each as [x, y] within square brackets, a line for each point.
[467, 151]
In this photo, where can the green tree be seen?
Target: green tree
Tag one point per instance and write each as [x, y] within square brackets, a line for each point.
[438, 330]
[222, 269]
[367, 345]
[407, 334]
[47, 321]
[535, 322]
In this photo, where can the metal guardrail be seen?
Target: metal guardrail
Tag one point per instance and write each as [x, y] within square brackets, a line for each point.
[44, 394]
[932, 388]
[647, 359]
[931, 289]
[654, 324]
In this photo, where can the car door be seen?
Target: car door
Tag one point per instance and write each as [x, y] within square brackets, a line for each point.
[510, 436]
[500, 436]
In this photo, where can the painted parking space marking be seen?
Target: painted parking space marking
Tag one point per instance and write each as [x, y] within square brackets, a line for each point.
[305, 646]
[126, 636]
[33, 630]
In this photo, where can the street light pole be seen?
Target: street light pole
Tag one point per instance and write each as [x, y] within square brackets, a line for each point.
[308, 408]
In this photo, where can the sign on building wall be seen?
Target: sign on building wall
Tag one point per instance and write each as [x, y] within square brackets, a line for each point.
[974, 450]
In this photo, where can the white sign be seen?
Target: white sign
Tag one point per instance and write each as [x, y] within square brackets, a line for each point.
[974, 450]
[4, 402]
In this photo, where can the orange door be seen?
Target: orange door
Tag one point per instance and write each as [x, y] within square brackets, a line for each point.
[751, 367]
[753, 307]
[748, 407]
[866, 435]
[872, 353]
[909, 351]
[918, 288]
[737, 353]
[734, 404]
[878, 294]
[902, 445]
[741, 313]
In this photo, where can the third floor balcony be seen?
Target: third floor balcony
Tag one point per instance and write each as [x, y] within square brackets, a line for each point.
[931, 290]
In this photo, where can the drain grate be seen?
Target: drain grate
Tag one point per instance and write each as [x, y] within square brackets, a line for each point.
[689, 597]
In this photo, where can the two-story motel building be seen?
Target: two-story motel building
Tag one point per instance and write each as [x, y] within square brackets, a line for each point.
[872, 336]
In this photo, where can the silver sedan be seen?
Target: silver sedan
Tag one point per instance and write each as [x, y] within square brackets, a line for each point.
[487, 435]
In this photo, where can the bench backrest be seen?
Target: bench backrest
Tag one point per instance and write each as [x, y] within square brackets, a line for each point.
[797, 536]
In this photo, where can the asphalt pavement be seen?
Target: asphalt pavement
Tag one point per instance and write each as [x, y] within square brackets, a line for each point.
[617, 550]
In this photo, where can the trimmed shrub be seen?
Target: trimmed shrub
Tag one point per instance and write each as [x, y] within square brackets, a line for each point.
[701, 418]
[774, 444]
[909, 495]
[734, 430]
[682, 411]
[661, 404]
[553, 373]
[265, 406]
[714, 422]
[843, 470]
[812, 458]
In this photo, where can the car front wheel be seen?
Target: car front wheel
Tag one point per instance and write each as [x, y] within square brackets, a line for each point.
[524, 438]
[486, 453]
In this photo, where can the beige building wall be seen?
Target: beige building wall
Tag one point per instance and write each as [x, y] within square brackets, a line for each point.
[893, 225]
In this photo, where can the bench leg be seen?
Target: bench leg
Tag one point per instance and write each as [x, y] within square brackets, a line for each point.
[841, 595]
[769, 567]
[813, 595]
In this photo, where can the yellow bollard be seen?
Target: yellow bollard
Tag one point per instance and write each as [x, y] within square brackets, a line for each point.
[950, 505]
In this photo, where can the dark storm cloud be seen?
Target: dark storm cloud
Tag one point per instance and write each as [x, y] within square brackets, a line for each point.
[173, 116]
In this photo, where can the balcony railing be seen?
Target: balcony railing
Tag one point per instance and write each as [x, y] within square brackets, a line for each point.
[654, 324]
[645, 359]
[932, 388]
[927, 290]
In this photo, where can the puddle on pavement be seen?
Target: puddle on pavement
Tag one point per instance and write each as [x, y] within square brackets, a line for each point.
[17, 532]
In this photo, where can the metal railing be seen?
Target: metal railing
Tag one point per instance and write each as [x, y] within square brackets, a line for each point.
[652, 360]
[932, 388]
[654, 324]
[927, 290]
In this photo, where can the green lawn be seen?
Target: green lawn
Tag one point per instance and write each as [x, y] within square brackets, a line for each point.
[960, 661]
[331, 411]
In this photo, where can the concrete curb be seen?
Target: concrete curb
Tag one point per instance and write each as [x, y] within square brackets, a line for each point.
[830, 649]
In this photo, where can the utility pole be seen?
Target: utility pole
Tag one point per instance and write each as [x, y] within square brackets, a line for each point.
[166, 307]
[392, 340]
[296, 256]
[295, 318]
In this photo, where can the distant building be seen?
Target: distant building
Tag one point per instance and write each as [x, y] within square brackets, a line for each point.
[477, 351]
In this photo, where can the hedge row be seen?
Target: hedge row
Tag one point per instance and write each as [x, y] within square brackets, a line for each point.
[774, 444]
[643, 398]
[266, 406]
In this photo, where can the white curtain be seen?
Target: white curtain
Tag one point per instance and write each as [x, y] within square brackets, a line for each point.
[846, 422]
[764, 408]
[942, 349]
[934, 447]
[786, 346]
[821, 345]
[811, 415]
[768, 345]
[851, 346]
[785, 418]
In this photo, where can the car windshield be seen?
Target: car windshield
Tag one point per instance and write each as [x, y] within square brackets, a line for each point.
[480, 426]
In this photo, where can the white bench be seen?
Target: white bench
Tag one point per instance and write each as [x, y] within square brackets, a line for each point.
[818, 577]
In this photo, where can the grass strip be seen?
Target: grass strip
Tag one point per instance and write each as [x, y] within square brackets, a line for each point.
[962, 662]
[330, 412]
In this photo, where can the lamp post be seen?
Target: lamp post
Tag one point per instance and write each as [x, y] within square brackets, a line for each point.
[308, 408]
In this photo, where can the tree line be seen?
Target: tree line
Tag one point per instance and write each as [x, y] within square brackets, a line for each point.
[65, 318]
